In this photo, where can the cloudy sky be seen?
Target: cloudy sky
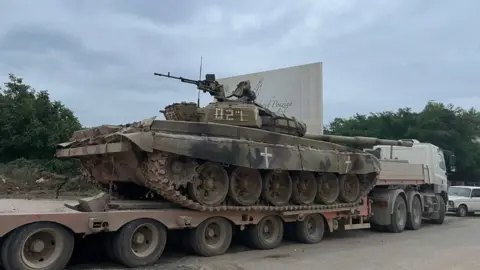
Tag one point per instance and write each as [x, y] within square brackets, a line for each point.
[99, 57]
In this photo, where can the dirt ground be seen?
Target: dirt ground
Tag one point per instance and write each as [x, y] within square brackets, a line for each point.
[451, 246]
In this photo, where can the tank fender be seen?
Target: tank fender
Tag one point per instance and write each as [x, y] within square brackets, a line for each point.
[382, 207]
[410, 195]
[144, 140]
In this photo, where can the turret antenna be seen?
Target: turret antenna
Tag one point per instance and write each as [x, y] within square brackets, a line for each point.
[199, 78]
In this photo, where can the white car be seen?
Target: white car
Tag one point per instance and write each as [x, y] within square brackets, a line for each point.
[463, 200]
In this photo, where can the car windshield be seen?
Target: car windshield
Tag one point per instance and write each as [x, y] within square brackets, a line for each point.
[459, 191]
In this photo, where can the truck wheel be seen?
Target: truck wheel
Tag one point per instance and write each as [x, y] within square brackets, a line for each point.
[414, 218]
[43, 245]
[139, 243]
[212, 237]
[267, 234]
[399, 216]
[462, 211]
[441, 210]
[310, 230]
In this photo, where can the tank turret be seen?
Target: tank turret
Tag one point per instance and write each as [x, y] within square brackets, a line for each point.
[237, 109]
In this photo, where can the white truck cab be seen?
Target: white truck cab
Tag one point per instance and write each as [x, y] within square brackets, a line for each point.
[412, 185]
[427, 154]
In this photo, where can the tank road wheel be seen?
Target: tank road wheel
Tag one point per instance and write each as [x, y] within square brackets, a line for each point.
[277, 187]
[139, 243]
[304, 188]
[328, 188]
[245, 186]
[38, 246]
[211, 186]
[349, 188]
[212, 237]
[266, 234]
[310, 230]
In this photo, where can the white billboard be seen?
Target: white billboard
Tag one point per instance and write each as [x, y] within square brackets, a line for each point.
[294, 91]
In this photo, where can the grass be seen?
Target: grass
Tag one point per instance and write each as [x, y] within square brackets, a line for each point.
[42, 178]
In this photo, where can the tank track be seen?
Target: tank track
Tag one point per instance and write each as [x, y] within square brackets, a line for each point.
[155, 176]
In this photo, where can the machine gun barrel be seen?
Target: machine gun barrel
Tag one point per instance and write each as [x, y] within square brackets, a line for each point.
[358, 140]
[185, 80]
[209, 85]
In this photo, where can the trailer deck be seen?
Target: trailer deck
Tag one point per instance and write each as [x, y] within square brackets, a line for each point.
[15, 213]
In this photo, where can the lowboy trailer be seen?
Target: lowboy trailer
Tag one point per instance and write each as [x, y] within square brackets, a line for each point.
[39, 234]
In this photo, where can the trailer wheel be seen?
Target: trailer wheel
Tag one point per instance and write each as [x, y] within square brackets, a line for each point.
[399, 216]
[414, 218]
[38, 246]
[310, 230]
[139, 243]
[441, 210]
[212, 237]
[267, 234]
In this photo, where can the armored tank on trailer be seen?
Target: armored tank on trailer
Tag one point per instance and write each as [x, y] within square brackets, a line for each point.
[232, 154]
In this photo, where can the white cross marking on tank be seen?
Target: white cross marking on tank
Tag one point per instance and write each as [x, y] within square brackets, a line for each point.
[348, 162]
[266, 155]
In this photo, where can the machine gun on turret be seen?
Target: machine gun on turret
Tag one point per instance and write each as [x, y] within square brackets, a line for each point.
[216, 90]
[209, 85]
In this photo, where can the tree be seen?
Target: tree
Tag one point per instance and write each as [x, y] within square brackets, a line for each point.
[30, 123]
[446, 126]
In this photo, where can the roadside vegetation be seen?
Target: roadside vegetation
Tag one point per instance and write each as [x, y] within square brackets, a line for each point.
[31, 124]
[30, 127]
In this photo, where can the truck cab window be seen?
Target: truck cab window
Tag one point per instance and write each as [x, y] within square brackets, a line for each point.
[441, 162]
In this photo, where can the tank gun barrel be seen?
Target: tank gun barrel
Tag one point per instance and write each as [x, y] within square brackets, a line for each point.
[209, 85]
[359, 140]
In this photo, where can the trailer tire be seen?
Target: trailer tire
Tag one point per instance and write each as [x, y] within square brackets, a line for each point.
[441, 211]
[53, 240]
[150, 236]
[200, 244]
[257, 238]
[414, 218]
[398, 218]
[310, 230]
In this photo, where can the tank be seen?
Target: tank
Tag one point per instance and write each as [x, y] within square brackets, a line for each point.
[232, 154]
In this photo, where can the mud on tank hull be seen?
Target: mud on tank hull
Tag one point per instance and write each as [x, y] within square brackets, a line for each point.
[217, 167]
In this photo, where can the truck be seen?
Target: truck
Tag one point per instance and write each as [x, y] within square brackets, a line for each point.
[404, 180]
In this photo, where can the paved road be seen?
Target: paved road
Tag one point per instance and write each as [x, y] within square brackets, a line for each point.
[452, 246]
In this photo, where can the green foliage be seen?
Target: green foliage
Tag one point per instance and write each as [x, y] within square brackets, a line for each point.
[31, 125]
[446, 126]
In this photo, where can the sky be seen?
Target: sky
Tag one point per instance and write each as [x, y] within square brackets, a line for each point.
[98, 58]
